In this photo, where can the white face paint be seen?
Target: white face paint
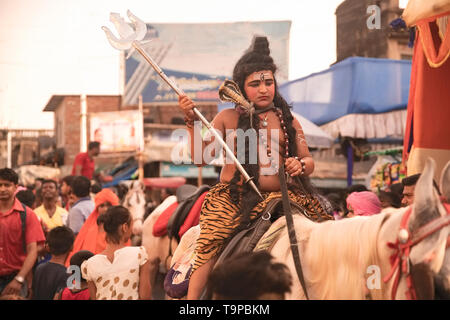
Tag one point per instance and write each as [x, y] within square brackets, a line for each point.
[261, 76]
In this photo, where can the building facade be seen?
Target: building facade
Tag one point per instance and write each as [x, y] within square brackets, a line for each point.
[67, 109]
[357, 32]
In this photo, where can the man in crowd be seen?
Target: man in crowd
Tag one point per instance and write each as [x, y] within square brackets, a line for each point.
[66, 190]
[83, 204]
[84, 164]
[409, 184]
[20, 235]
[50, 213]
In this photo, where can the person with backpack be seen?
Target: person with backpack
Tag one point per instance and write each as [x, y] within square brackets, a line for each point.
[51, 277]
[20, 235]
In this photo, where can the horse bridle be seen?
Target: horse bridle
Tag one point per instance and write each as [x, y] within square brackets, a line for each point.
[400, 260]
[291, 229]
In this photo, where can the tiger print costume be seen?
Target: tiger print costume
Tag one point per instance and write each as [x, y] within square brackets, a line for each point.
[218, 218]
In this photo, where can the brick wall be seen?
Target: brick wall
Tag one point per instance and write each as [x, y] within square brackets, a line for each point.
[69, 110]
[71, 107]
[71, 127]
[101, 104]
[354, 38]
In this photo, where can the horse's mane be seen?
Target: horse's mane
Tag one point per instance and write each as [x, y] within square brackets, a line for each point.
[338, 254]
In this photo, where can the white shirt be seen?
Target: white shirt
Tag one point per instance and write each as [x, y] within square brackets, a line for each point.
[118, 280]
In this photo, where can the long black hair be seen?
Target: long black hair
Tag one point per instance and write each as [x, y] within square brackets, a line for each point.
[258, 58]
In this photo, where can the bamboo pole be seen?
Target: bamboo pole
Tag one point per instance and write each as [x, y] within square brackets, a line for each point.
[141, 141]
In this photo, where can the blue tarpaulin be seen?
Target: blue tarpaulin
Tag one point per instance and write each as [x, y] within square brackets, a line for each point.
[355, 85]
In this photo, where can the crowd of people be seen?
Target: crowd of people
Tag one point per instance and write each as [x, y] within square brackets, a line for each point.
[65, 225]
[52, 225]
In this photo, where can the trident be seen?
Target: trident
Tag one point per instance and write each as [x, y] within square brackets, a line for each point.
[129, 39]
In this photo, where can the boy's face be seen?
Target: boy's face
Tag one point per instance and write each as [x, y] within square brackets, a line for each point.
[7, 190]
[65, 189]
[260, 88]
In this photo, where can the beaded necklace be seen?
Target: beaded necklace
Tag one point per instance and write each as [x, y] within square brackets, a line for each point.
[279, 114]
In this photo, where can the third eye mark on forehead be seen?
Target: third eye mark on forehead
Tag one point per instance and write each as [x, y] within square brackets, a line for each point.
[257, 82]
[261, 76]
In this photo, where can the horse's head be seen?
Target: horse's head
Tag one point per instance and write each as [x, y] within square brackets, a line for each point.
[135, 202]
[442, 280]
[417, 240]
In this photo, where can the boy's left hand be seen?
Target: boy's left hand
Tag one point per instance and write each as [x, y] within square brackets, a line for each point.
[293, 166]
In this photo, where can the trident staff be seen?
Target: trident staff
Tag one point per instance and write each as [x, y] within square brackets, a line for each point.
[129, 39]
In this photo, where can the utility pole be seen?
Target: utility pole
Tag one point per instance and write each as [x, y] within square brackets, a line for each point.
[83, 123]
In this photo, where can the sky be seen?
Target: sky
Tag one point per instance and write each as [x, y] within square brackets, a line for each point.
[57, 47]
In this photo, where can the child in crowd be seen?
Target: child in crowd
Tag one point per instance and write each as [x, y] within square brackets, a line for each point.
[27, 197]
[119, 272]
[50, 277]
[250, 276]
[81, 293]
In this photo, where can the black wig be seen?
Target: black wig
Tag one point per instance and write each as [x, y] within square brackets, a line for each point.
[257, 58]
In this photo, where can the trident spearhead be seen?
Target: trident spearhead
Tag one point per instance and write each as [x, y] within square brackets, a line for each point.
[127, 33]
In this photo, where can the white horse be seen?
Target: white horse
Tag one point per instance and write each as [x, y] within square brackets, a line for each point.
[350, 258]
[134, 201]
[443, 277]
[159, 249]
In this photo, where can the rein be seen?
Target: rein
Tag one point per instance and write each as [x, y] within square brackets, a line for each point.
[400, 260]
[291, 229]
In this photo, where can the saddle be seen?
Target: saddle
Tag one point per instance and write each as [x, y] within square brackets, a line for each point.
[244, 241]
[160, 226]
[183, 214]
[187, 198]
[177, 279]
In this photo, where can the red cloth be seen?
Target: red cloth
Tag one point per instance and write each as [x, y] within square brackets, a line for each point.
[87, 165]
[160, 226]
[12, 256]
[90, 238]
[67, 294]
[429, 94]
[193, 217]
